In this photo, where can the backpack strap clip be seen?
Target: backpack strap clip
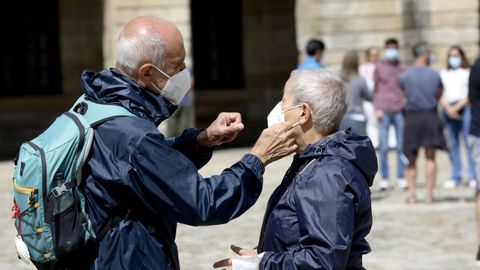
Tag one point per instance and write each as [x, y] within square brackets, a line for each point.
[59, 191]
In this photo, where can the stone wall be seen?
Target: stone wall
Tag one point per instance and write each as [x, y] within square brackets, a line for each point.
[119, 12]
[80, 37]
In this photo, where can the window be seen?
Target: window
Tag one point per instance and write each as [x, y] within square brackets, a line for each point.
[217, 44]
[29, 55]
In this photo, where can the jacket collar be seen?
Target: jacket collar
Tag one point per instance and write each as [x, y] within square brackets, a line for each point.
[112, 86]
[349, 145]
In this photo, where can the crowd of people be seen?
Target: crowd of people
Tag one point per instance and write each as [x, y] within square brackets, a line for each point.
[424, 107]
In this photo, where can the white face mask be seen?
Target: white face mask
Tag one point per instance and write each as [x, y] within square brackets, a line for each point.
[277, 115]
[176, 87]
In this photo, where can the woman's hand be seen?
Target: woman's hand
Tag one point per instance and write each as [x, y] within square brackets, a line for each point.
[227, 263]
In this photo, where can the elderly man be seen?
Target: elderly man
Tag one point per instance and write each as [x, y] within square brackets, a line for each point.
[139, 185]
[320, 214]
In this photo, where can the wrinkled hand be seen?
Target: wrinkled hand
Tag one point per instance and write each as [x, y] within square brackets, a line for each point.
[227, 263]
[223, 130]
[275, 142]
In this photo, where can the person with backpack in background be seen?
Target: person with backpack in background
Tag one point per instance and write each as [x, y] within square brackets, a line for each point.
[136, 184]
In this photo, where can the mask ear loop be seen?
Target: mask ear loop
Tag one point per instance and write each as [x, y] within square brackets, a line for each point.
[297, 106]
[164, 74]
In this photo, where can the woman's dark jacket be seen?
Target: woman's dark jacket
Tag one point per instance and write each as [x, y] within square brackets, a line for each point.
[318, 219]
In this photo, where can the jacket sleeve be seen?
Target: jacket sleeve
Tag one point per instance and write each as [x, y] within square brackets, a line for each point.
[186, 144]
[325, 214]
[167, 183]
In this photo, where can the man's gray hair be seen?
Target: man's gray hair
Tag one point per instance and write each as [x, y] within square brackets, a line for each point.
[138, 48]
[419, 49]
[324, 92]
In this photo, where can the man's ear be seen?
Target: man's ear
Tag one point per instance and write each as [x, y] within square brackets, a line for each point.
[144, 74]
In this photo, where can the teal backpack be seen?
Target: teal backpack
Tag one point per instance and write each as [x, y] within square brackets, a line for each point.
[49, 209]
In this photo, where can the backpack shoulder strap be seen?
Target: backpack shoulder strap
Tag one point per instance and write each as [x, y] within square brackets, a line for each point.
[96, 113]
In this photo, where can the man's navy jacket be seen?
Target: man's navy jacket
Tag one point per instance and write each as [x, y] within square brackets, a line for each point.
[318, 218]
[134, 169]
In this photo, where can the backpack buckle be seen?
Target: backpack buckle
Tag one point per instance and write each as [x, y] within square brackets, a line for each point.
[58, 191]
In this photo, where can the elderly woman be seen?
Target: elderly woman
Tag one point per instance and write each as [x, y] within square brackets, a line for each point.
[320, 214]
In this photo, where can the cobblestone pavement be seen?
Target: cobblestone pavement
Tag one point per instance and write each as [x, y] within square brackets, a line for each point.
[441, 236]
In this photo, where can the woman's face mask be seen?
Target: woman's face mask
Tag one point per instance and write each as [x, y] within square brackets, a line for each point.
[176, 87]
[277, 115]
[454, 61]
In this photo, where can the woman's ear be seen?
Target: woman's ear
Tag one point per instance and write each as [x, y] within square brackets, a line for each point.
[306, 113]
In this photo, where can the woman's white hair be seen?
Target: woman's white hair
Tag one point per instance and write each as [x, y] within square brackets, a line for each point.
[324, 92]
[138, 48]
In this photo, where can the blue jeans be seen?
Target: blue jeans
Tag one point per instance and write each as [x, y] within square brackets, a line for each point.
[454, 128]
[395, 118]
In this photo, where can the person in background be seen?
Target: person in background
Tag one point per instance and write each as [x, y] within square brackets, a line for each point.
[456, 114]
[366, 70]
[422, 87]
[314, 50]
[388, 101]
[357, 93]
[474, 134]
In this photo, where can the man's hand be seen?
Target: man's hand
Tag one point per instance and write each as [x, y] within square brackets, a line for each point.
[275, 142]
[223, 130]
[227, 263]
[379, 114]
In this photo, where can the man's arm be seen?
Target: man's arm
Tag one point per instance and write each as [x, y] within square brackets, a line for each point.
[198, 144]
[188, 145]
[167, 183]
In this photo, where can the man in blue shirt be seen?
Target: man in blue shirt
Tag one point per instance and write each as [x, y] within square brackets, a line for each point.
[315, 49]
[422, 87]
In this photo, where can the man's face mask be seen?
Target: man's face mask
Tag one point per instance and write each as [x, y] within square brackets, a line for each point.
[277, 115]
[391, 54]
[176, 87]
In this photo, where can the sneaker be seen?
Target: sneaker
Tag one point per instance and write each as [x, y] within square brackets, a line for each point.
[384, 185]
[402, 183]
[472, 183]
[450, 184]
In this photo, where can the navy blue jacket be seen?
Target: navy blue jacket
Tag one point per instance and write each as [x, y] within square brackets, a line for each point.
[318, 219]
[133, 169]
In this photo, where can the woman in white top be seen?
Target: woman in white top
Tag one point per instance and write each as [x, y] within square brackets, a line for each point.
[366, 71]
[456, 113]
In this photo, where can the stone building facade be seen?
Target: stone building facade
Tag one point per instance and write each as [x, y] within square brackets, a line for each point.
[241, 51]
